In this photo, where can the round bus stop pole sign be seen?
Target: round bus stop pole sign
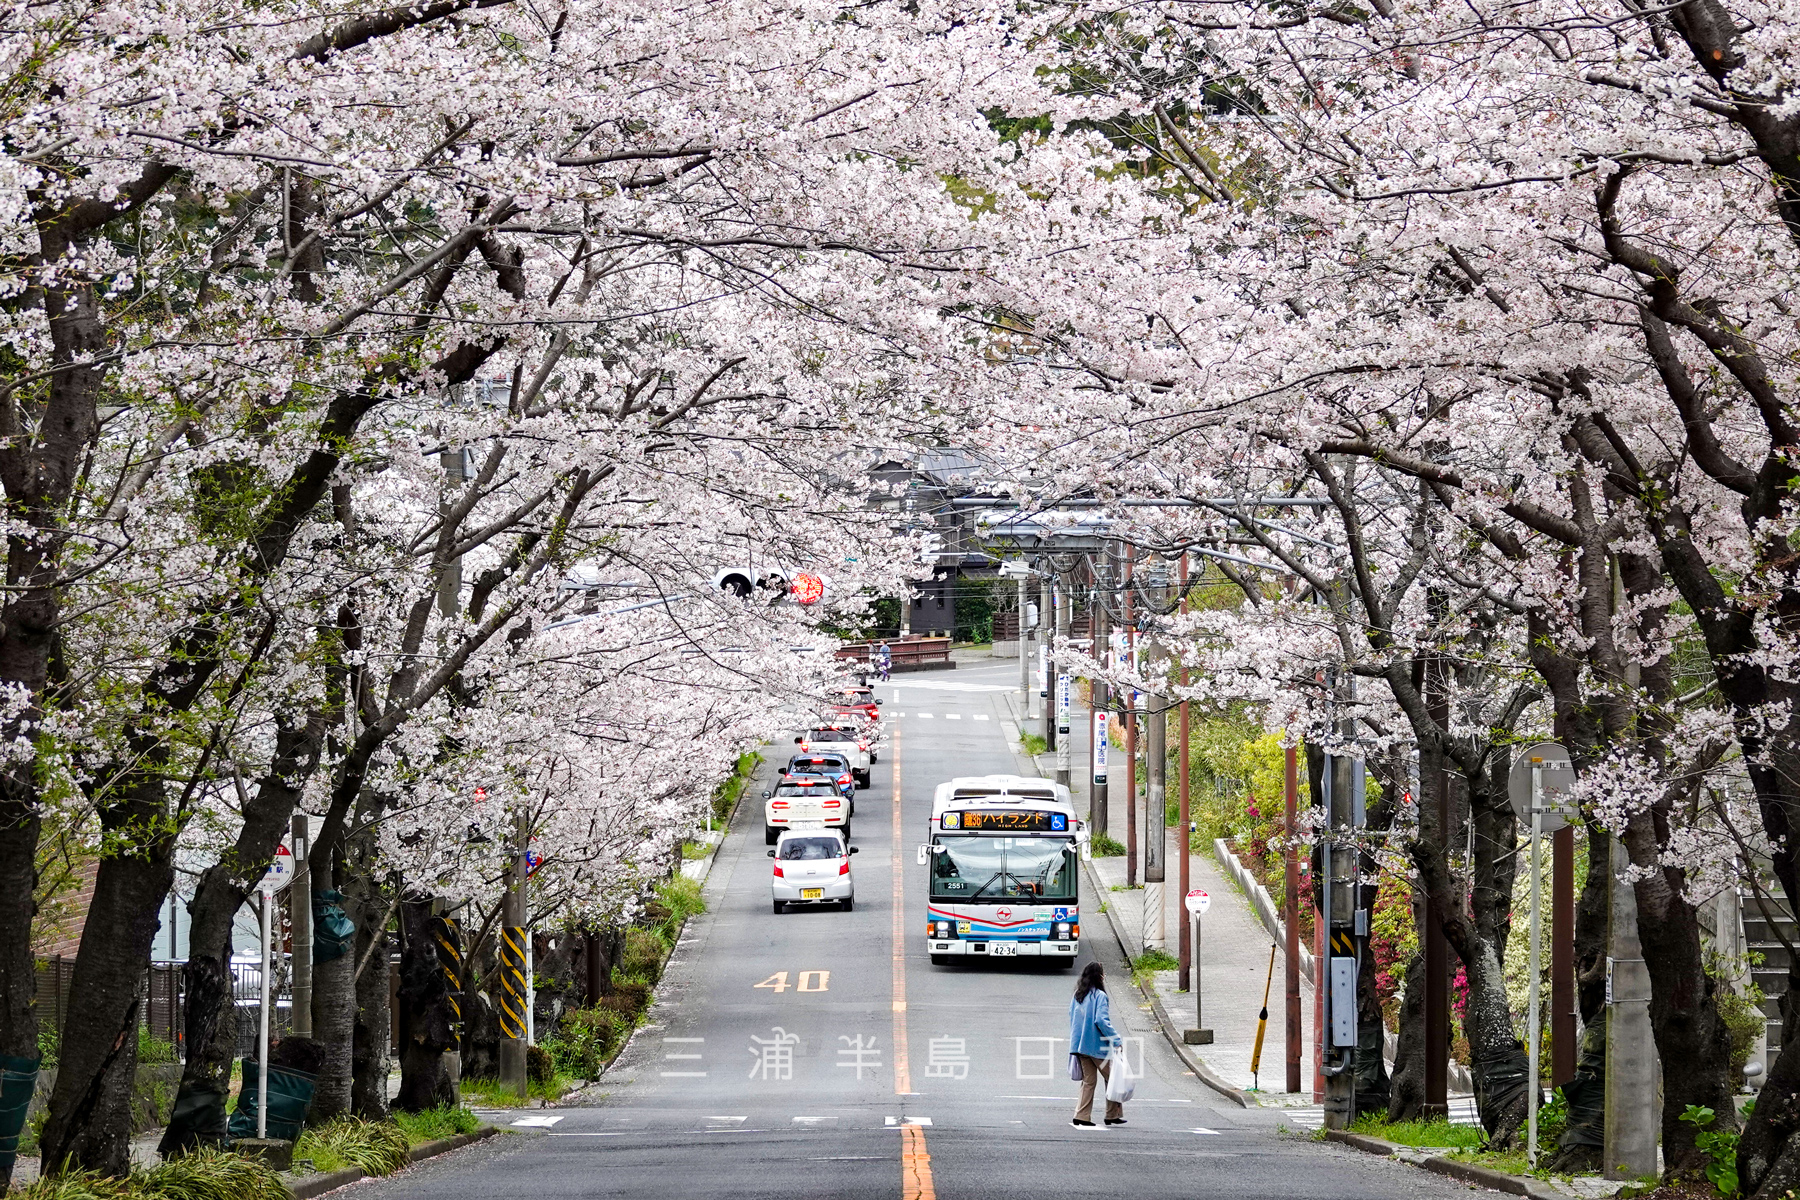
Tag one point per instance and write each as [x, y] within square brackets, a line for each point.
[281, 870]
[1197, 902]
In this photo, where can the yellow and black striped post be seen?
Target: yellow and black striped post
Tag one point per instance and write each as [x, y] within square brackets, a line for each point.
[512, 994]
[446, 932]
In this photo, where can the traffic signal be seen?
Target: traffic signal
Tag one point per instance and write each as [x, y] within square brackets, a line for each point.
[807, 588]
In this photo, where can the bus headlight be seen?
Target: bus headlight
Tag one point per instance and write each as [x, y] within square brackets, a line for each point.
[1062, 929]
[943, 929]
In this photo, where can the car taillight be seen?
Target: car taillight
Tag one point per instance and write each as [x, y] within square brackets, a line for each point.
[778, 804]
[843, 779]
[834, 804]
[862, 745]
[778, 873]
[844, 867]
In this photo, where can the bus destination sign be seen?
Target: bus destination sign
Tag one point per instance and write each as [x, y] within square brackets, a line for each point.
[1010, 820]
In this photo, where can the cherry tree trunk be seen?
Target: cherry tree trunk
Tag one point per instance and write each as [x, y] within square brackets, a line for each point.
[1406, 1091]
[90, 1107]
[425, 1019]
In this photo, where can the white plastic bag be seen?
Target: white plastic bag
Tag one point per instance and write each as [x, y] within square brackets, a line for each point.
[1120, 1086]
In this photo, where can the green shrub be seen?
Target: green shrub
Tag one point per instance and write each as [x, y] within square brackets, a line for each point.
[1105, 847]
[204, 1174]
[681, 896]
[1155, 960]
[645, 950]
[376, 1147]
[435, 1124]
[1718, 1145]
[153, 1049]
[1034, 745]
[539, 1066]
[586, 1039]
[49, 1042]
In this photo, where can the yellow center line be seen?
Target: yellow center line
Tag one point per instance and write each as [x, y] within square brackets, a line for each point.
[902, 1071]
[915, 1165]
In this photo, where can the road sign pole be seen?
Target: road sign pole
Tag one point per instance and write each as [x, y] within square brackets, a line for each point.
[262, 1066]
[1197, 902]
[1537, 838]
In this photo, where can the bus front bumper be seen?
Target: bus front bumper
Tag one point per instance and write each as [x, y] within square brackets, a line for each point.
[1000, 948]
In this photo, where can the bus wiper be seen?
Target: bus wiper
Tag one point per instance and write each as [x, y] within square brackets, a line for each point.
[996, 877]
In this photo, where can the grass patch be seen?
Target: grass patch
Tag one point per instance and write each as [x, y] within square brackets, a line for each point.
[1106, 847]
[692, 851]
[435, 1124]
[375, 1147]
[1034, 745]
[205, 1174]
[491, 1093]
[1145, 966]
[1437, 1132]
[726, 795]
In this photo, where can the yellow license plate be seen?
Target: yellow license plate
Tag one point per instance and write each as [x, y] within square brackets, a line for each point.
[812, 893]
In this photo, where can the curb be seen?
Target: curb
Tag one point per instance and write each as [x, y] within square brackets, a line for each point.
[1166, 1023]
[1487, 1177]
[318, 1185]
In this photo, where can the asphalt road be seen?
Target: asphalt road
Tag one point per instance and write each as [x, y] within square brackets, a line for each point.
[820, 1054]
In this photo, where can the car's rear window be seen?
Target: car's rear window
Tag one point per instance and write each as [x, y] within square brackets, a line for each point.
[806, 785]
[812, 848]
[831, 735]
[803, 763]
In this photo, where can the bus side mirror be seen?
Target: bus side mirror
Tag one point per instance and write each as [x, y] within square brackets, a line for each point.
[923, 851]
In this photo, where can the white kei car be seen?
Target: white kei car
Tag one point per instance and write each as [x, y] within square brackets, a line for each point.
[812, 866]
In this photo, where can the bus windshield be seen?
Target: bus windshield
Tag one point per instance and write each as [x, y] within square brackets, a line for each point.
[1003, 868]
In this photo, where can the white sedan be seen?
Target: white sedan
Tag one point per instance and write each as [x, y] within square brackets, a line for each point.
[812, 866]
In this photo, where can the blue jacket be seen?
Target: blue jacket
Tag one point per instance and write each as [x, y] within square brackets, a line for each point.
[1090, 1025]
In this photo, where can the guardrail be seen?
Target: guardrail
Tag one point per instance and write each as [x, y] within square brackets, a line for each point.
[912, 654]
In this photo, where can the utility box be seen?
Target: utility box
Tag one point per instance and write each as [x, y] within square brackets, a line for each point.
[1343, 1001]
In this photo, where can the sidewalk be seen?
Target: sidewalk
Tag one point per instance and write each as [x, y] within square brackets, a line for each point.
[1235, 946]
[1234, 968]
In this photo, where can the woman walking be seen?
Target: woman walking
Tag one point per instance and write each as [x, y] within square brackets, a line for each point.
[1091, 1035]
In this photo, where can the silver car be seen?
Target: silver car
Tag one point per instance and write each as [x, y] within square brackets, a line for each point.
[812, 866]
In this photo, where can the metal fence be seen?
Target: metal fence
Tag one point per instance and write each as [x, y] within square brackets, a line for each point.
[163, 1011]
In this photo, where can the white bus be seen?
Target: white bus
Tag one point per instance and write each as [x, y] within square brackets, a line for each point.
[1003, 852]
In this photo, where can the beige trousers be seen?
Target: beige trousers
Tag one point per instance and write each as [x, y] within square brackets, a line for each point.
[1093, 1070]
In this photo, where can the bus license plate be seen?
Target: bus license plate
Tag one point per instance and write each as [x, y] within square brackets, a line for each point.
[812, 893]
[1003, 949]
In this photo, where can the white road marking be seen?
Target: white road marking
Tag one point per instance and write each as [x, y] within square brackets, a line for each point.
[684, 1075]
[981, 716]
[952, 716]
[739, 1120]
[683, 1041]
[575, 1133]
[923, 716]
[537, 1122]
[684, 1056]
[1214, 1132]
[894, 1121]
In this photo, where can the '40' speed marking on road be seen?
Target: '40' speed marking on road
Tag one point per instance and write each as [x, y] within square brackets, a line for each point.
[809, 981]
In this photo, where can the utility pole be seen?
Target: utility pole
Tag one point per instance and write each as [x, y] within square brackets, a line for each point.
[1343, 922]
[300, 925]
[514, 988]
[1183, 839]
[1052, 595]
[1064, 700]
[1290, 915]
[1131, 800]
[1156, 807]
[1562, 956]
[1631, 1062]
[1101, 706]
[1437, 947]
[1024, 644]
